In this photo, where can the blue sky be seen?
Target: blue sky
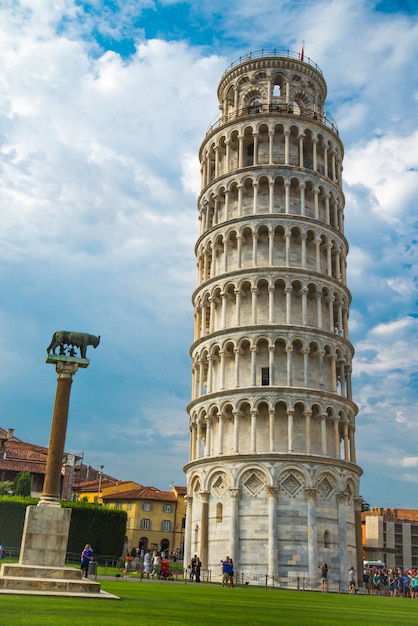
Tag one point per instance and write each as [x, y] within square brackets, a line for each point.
[102, 111]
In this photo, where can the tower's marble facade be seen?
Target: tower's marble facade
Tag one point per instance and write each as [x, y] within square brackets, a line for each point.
[272, 479]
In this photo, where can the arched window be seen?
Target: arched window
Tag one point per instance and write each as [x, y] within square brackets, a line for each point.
[327, 541]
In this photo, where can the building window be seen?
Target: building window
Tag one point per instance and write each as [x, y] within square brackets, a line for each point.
[145, 524]
[167, 508]
[146, 506]
[166, 525]
[265, 376]
[219, 512]
[128, 506]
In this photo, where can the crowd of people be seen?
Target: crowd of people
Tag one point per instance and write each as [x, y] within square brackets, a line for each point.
[391, 582]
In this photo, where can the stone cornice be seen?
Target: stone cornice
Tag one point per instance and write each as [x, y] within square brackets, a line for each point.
[273, 458]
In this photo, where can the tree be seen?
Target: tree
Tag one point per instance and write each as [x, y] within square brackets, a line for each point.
[6, 487]
[22, 484]
[365, 506]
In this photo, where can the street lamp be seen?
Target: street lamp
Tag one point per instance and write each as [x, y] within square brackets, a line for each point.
[100, 482]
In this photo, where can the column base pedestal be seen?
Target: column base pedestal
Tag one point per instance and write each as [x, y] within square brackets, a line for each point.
[38, 580]
[41, 569]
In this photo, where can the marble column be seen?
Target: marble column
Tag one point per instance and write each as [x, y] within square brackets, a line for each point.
[273, 555]
[204, 529]
[234, 528]
[66, 367]
[187, 551]
[342, 536]
[312, 533]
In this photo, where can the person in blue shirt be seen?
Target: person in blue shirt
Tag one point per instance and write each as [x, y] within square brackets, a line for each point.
[407, 585]
[86, 557]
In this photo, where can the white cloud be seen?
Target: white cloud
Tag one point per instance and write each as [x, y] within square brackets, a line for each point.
[388, 166]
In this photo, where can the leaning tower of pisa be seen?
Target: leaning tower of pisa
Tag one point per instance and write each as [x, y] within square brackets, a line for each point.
[272, 479]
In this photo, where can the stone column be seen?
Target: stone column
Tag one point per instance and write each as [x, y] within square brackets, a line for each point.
[273, 555]
[236, 431]
[312, 533]
[253, 413]
[204, 529]
[234, 528]
[272, 418]
[308, 415]
[324, 433]
[65, 368]
[187, 551]
[358, 502]
[342, 536]
[290, 431]
[221, 433]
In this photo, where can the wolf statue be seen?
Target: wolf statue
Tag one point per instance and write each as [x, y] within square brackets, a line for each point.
[79, 340]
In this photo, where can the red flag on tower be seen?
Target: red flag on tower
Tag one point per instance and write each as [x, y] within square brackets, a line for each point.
[302, 54]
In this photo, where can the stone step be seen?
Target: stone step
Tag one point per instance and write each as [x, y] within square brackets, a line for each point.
[57, 585]
[35, 571]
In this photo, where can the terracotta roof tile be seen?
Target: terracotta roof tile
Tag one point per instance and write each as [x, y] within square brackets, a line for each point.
[146, 493]
[23, 466]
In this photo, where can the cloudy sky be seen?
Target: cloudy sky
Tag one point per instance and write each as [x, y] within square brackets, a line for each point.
[103, 108]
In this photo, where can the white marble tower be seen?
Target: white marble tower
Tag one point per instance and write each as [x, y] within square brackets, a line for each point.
[272, 479]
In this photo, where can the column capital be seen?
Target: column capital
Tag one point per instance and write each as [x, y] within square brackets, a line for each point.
[310, 494]
[234, 494]
[272, 492]
[204, 495]
[66, 366]
[358, 503]
[341, 498]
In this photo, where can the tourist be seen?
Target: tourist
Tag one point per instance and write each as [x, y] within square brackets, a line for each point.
[324, 576]
[414, 586]
[156, 565]
[86, 558]
[147, 564]
[225, 572]
[197, 567]
[351, 581]
[376, 583]
[193, 565]
[407, 585]
[231, 573]
[366, 581]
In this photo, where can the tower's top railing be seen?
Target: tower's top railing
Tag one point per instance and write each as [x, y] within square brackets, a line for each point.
[275, 52]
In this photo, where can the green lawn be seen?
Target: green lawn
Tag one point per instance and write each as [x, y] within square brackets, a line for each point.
[176, 603]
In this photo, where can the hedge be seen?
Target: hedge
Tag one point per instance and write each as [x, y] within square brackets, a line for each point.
[103, 528]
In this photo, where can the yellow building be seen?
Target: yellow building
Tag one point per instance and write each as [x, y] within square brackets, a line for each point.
[94, 490]
[155, 517]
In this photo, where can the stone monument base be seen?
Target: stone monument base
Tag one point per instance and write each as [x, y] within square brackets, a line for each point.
[48, 581]
[45, 536]
[41, 569]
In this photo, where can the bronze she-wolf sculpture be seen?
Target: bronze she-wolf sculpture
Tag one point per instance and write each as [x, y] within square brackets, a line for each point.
[79, 340]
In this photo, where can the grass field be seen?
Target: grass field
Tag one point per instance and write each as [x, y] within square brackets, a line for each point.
[176, 603]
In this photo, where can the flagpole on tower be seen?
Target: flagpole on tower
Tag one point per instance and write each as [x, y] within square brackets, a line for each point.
[302, 54]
